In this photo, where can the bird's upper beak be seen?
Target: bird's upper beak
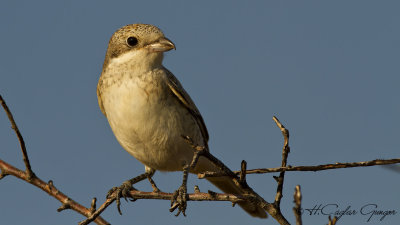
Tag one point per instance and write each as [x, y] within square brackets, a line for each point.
[161, 45]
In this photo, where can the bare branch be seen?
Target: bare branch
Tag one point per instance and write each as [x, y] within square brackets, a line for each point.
[30, 177]
[95, 214]
[297, 201]
[272, 209]
[197, 196]
[328, 166]
[14, 126]
[337, 165]
[332, 221]
[65, 205]
[238, 177]
[242, 175]
[93, 205]
[49, 189]
[285, 154]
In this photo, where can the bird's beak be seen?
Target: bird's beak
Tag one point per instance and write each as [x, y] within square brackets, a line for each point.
[161, 45]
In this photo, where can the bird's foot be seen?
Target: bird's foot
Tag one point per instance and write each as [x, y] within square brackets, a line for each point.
[179, 200]
[121, 191]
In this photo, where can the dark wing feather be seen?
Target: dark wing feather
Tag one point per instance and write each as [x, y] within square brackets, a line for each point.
[185, 99]
[99, 96]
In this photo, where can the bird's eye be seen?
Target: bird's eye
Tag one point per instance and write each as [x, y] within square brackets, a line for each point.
[132, 41]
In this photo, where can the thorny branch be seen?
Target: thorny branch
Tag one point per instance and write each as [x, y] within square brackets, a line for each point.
[239, 178]
[337, 165]
[14, 126]
[285, 154]
[30, 177]
[272, 208]
[196, 196]
[297, 207]
[332, 221]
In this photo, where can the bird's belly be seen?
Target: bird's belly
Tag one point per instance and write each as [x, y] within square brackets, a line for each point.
[149, 125]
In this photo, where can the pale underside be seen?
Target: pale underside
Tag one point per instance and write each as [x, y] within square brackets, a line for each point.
[149, 111]
[156, 119]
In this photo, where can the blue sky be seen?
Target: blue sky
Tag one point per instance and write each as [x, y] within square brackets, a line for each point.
[329, 70]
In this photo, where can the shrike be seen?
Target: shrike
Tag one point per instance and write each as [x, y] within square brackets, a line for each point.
[148, 110]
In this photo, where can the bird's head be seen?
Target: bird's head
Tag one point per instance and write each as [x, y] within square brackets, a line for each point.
[137, 44]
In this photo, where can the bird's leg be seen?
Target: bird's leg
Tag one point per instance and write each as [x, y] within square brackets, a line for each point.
[150, 173]
[126, 187]
[153, 185]
[179, 198]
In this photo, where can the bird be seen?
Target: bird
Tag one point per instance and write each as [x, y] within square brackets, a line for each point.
[148, 109]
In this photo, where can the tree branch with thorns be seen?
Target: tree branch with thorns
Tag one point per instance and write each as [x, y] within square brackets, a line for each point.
[93, 213]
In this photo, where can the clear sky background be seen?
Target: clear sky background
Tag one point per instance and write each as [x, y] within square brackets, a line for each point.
[329, 70]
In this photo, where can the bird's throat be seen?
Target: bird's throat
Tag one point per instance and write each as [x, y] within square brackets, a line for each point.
[139, 60]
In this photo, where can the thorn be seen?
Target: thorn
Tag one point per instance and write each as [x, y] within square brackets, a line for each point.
[242, 177]
[65, 205]
[297, 195]
[93, 206]
[196, 189]
[50, 184]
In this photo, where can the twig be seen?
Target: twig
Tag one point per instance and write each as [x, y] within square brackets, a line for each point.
[285, 153]
[208, 155]
[49, 189]
[332, 221]
[273, 209]
[65, 205]
[242, 175]
[337, 165]
[93, 205]
[270, 208]
[197, 196]
[30, 177]
[297, 201]
[14, 126]
[95, 214]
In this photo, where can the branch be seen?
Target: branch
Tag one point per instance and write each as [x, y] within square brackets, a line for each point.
[297, 201]
[49, 188]
[30, 177]
[14, 126]
[285, 154]
[95, 214]
[196, 196]
[272, 209]
[337, 165]
[238, 177]
[332, 221]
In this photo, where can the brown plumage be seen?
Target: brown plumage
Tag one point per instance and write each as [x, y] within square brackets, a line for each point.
[149, 110]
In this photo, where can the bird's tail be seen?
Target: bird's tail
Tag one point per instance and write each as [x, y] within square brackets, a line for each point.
[227, 185]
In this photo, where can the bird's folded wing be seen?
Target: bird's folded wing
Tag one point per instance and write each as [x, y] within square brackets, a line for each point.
[185, 99]
[99, 96]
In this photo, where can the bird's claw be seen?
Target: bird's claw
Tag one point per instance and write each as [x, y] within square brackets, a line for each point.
[121, 191]
[179, 200]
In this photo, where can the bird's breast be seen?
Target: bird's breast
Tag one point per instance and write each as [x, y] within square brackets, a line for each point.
[131, 105]
[148, 121]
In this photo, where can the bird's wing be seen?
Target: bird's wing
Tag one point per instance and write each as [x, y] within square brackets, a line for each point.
[99, 97]
[185, 99]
